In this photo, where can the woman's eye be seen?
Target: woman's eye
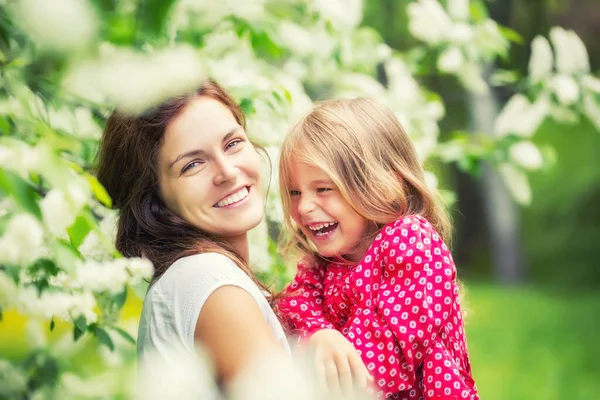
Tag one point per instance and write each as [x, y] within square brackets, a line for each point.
[191, 165]
[233, 143]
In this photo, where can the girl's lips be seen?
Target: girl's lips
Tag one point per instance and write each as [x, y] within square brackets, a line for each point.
[324, 233]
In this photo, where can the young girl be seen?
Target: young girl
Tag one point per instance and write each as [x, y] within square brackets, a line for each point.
[375, 269]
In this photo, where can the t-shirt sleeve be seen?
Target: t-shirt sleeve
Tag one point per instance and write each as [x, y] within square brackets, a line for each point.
[189, 282]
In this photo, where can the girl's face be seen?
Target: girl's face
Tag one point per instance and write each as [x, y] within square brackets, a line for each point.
[209, 172]
[324, 216]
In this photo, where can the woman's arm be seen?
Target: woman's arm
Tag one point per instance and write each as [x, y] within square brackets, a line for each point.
[232, 328]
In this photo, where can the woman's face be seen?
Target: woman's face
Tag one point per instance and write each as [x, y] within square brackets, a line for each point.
[208, 171]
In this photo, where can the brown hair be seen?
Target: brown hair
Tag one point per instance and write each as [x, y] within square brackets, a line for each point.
[360, 144]
[127, 167]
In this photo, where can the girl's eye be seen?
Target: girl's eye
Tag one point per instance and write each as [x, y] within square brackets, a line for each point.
[322, 190]
[191, 165]
[233, 143]
[294, 192]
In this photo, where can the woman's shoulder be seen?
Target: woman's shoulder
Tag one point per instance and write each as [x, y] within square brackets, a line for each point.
[198, 271]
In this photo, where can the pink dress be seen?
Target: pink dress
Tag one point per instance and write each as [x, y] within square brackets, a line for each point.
[400, 309]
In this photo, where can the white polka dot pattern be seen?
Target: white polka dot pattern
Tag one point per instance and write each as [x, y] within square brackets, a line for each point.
[399, 307]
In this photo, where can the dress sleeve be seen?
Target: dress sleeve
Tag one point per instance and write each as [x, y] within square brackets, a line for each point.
[398, 329]
[301, 304]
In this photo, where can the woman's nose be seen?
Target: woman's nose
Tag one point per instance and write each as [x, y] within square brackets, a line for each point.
[225, 171]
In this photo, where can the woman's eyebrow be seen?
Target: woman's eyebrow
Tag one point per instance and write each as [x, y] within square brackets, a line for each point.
[196, 153]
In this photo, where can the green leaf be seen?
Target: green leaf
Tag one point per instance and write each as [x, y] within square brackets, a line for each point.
[247, 106]
[65, 255]
[4, 126]
[119, 299]
[152, 17]
[104, 338]
[511, 35]
[1, 315]
[84, 223]
[81, 323]
[21, 191]
[52, 324]
[99, 191]
[478, 10]
[124, 334]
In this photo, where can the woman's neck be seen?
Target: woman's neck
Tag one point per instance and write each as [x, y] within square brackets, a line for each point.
[240, 245]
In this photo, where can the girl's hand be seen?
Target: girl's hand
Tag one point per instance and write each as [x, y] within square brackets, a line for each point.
[339, 366]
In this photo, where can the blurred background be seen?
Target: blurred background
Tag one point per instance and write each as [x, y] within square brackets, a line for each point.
[501, 97]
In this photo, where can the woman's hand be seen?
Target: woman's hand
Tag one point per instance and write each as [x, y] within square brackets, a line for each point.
[339, 366]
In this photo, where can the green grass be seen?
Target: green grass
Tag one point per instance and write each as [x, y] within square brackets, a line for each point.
[529, 344]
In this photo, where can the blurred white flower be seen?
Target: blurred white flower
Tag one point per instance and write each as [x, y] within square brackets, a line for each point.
[57, 211]
[571, 54]
[461, 33]
[13, 380]
[526, 154]
[343, 14]
[78, 122]
[273, 376]
[488, 41]
[458, 9]
[295, 37]
[259, 247]
[517, 183]
[100, 277]
[139, 269]
[541, 61]
[591, 83]
[36, 333]
[592, 110]
[20, 158]
[22, 241]
[8, 291]
[451, 60]
[520, 117]
[431, 180]
[565, 88]
[64, 25]
[180, 377]
[62, 305]
[205, 14]
[470, 76]
[134, 82]
[99, 246]
[428, 21]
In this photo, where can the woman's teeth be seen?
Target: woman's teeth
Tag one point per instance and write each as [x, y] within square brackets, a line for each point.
[234, 198]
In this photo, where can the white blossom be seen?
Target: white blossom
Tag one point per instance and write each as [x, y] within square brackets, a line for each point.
[592, 110]
[181, 376]
[431, 180]
[20, 158]
[8, 291]
[541, 60]
[488, 40]
[571, 55]
[470, 76]
[258, 238]
[520, 117]
[517, 183]
[139, 269]
[591, 83]
[451, 60]
[64, 25]
[22, 241]
[295, 37]
[428, 21]
[133, 81]
[565, 88]
[57, 211]
[526, 155]
[13, 380]
[343, 14]
[460, 33]
[458, 9]
[62, 305]
[36, 334]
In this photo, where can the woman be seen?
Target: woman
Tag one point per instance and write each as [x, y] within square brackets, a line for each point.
[188, 184]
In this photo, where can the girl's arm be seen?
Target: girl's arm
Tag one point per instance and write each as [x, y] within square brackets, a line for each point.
[233, 330]
[301, 305]
[411, 297]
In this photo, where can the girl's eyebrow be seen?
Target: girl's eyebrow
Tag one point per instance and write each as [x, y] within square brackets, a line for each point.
[322, 182]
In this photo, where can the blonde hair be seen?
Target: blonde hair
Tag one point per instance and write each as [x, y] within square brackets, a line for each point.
[362, 147]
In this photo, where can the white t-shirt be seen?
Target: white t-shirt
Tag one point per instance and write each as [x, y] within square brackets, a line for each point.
[173, 303]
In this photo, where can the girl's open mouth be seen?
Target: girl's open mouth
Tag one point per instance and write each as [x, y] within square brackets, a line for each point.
[323, 231]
